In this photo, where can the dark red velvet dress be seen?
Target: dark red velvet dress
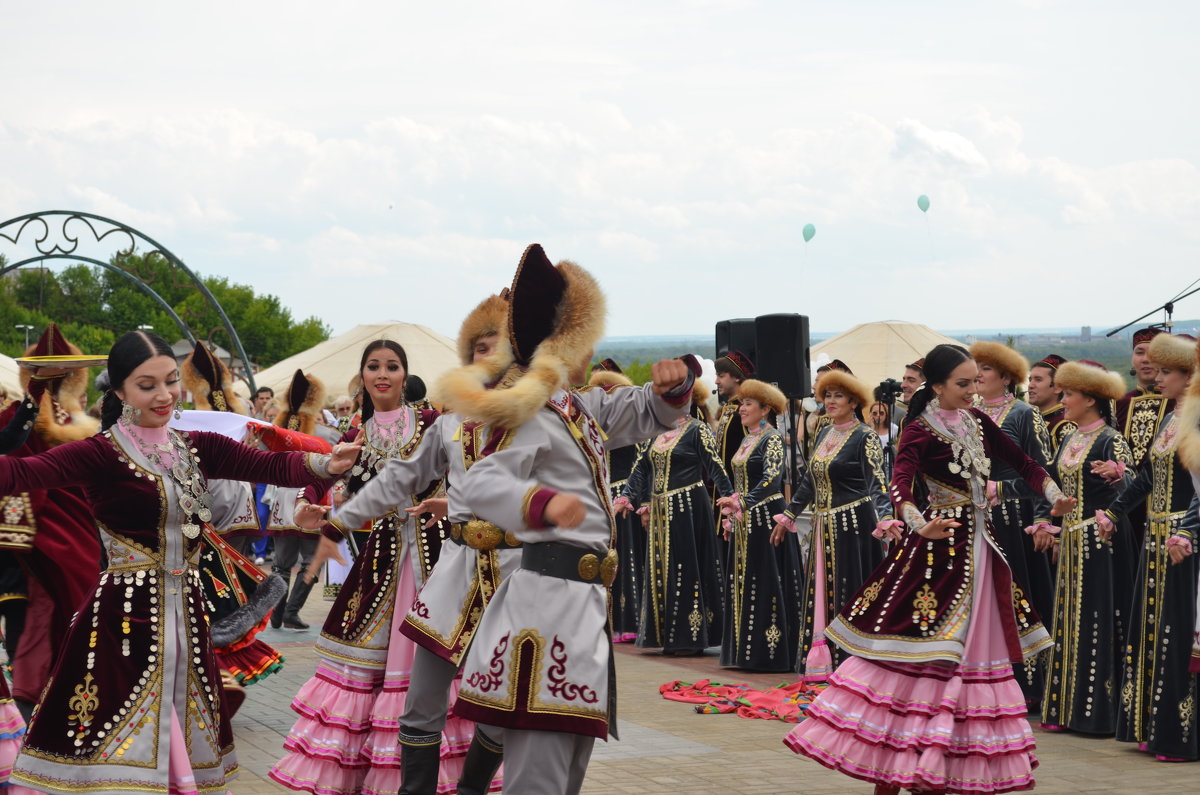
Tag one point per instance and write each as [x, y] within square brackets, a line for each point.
[139, 649]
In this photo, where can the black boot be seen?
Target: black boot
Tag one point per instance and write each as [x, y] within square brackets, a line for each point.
[291, 613]
[420, 760]
[277, 613]
[479, 768]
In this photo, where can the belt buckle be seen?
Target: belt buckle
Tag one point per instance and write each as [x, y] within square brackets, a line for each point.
[608, 568]
[482, 535]
[588, 567]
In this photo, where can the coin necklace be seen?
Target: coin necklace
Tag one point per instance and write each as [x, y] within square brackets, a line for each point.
[194, 500]
[383, 443]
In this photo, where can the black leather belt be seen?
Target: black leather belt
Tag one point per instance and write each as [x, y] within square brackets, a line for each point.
[555, 559]
[481, 535]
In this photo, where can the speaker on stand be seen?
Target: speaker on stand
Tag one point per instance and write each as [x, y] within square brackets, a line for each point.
[783, 359]
[737, 334]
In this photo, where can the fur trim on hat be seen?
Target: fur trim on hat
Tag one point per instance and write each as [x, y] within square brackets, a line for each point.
[489, 317]
[1188, 410]
[70, 389]
[203, 391]
[520, 392]
[837, 380]
[1169, 350]
[309, 409]
[54, 433]
[606, 379]
[764, 393]
[1002, 358]
[1090, 380]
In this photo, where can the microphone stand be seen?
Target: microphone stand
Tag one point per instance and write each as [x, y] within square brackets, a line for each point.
[1168, 307]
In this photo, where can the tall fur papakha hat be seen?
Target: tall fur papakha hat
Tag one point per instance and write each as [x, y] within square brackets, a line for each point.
[489, 317]
[1174, 351]
[607, 379]
[209, 381]
[839, 380]
[1090, 378]
[555, 318]
[764, 393]
[1189, 419]
[1002, 358]
[305, 399]
[70, 390]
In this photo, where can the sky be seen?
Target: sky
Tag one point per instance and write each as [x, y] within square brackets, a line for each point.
[371, 161]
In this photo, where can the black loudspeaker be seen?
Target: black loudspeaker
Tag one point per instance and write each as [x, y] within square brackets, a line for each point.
[736, 335]
[782, 344]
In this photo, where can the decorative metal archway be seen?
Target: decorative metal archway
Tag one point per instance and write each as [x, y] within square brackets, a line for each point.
[56, 236]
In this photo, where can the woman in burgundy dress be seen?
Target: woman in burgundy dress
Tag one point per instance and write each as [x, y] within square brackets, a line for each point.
[927, 701]
[137, 674]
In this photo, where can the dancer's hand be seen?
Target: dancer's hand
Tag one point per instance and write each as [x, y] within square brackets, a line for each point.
[1178, 553]
[438, 506]
[565, 510]
[777, 533]
[668, 374]
[1104, 526]
[1107, 470]
[1042, 540]
[1063, 506]
[343, 457]
[327, 549]
[938, 528]
[310, 516]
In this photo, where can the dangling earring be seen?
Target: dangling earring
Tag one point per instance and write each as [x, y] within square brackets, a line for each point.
[178, 412]
[936, 403]
[128, 413]
[762, 423]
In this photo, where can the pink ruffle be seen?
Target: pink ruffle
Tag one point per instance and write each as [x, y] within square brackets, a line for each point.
[881, 528]
[12, 725]
[786, 521]
[819, 662]
[1044, 526]
[1180, 541]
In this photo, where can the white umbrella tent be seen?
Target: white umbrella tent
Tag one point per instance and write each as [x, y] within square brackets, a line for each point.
[875, 351]
[335, 361]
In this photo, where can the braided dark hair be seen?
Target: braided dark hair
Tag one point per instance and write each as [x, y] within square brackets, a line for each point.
[126, 355]
[939, 364]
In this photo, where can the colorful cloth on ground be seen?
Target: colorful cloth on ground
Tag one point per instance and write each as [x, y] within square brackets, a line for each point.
[787, 702]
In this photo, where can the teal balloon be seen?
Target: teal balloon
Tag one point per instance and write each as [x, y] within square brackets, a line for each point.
[923, 203]
[810, 232]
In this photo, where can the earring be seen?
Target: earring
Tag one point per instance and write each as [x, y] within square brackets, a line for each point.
[762, 423]
[178, 412]
[128, 413]
[936, 403]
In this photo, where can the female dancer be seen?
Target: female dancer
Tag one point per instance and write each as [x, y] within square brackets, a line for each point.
[927, 701]
[1158, 694]
[345, 738]
[1015, 508]
[762, 601]
[845, 480]
[1095, 576]
[137, 674]
[681, 595]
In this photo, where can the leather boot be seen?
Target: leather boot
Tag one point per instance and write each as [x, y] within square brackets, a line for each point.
[291, 613]
[479, 768]
[420, 761]
[277, 613]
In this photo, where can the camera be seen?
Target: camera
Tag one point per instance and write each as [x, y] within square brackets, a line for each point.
[888, 390]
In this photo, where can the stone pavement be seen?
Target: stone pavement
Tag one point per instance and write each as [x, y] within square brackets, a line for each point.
[668, 748]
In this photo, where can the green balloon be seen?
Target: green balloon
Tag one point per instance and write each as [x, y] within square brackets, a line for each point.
[809, 232]
[923, 203]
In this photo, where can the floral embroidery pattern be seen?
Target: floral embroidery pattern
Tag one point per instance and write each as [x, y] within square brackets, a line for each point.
[487, 682]
[559, 686]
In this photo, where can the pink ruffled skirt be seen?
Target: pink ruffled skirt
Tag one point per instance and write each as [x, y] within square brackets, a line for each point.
[12, 729]
[347, 739]
[928, 726]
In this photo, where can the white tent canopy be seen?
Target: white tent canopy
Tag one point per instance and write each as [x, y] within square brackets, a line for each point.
[875, 351]
[335, 361]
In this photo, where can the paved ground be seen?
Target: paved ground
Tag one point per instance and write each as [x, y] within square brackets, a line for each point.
[667, 748]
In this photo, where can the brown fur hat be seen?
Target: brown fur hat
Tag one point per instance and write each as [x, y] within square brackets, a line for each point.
[1189, 419]
[209, 381]
[1170, 350]
[764, 393]
[839, 380]
[1090, 379]
[556, 317]
[607, 379]
[305, 399]
[489, 317]
[71, 389]
[1002, 358]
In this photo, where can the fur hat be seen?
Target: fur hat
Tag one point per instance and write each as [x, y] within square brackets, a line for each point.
[1090, 378]
[608, 364]
[607, 379]
[764, 393]
[831, 380]
[1189, 421]
[1176, 352]
[736, 363]
[305, 399]
[209, 381]
[489, 317]
[71, 389]
[1002, 358]
[556, 317]
[1145, 335]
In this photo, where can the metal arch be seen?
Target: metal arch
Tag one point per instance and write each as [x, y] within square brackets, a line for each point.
[141, 285]
[70, 243]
